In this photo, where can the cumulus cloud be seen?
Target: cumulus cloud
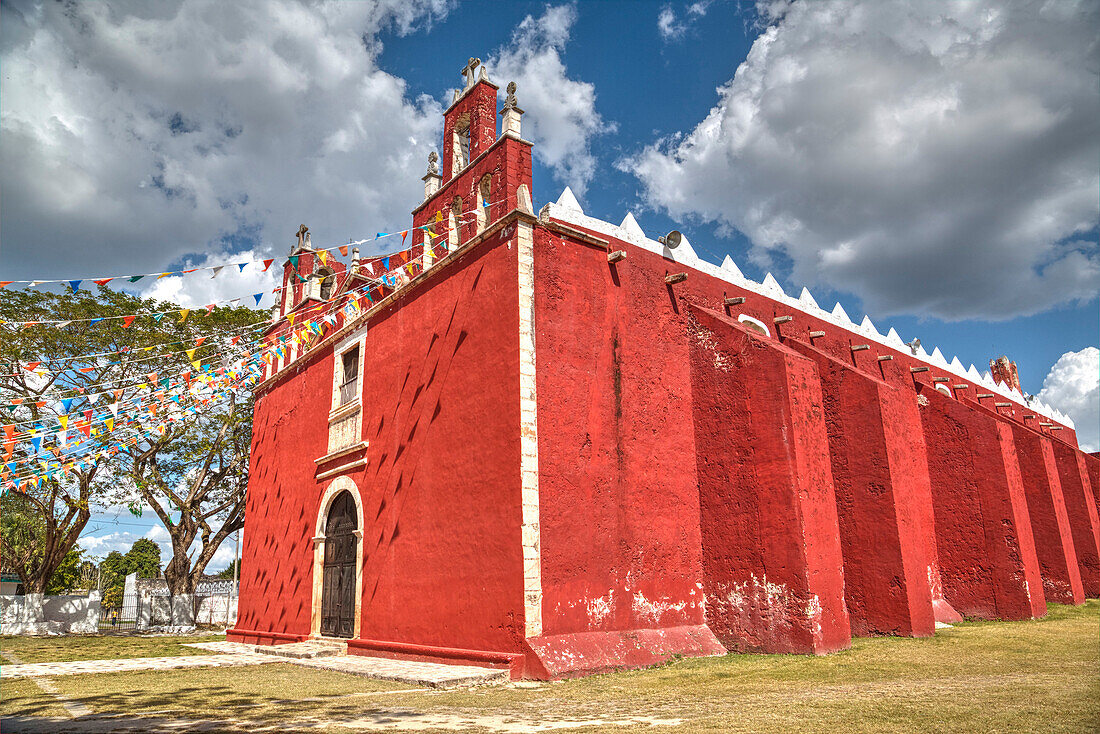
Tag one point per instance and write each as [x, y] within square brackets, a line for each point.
[142, 132]
[1073, 387]
[561, 117]
[231, 282]
[932, 158]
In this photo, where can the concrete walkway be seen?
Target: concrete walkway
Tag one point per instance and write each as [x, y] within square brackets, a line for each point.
[324, 656]
[127, 665]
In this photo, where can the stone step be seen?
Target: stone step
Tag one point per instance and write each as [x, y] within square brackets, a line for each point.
[305, 650]
[432, 675]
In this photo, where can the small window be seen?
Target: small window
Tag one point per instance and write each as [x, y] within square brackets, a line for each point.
[453, 223]
[754, 324]
[349, 385]
[483, 203]
[328, 280]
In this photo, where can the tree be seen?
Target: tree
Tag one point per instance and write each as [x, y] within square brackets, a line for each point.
[227, 572]
[68, 572]
[143, 558]
[97, 395]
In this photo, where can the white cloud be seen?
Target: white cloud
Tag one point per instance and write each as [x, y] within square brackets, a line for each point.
[667, 25]
[1073, 387]
[933, 158]
[142, 132]
[200, 289]
[561, 117]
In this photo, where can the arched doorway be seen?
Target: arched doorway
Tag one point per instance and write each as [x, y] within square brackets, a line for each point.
[340, 566]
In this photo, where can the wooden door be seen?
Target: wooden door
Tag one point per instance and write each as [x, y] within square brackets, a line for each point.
[338, 590]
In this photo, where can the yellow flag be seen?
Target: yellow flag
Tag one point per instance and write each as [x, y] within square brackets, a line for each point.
[323, 254]
[190, 353]
[183, 314]
[64, 420]
[110, 424]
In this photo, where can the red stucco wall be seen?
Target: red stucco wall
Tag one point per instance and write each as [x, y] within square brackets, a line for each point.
[618, 496]
[771, 553]
[983, 531]
[1081, 509]
[875, 466]
[442, 561]
[1049, 521]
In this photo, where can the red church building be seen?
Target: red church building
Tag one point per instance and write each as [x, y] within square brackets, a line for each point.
[536, 440]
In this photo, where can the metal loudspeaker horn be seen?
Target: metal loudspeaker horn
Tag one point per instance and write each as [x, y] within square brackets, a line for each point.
[671, 240]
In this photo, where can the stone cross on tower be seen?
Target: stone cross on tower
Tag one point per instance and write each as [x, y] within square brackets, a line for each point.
[470, 71]
[303, 237]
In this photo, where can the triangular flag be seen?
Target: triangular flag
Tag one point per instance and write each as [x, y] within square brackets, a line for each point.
[103, 281]
[75, 285]
[209, 309]
[183, 314]
[241, 266]
[67, 403]
[164, 275]
[127, 321]
[403, 235]
[136, 278]
[217, 269]
[294, 261]
[323, 255]
[199, 341]
[267, 264]
[258, 296]
[5, 283]
[343, 251]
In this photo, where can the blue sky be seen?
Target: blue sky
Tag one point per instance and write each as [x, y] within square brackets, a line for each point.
[931, 165]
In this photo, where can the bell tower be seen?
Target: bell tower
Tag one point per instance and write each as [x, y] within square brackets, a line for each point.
[469, 124]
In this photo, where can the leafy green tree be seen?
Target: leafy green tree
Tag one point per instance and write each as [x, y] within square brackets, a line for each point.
[67, 574]
[227, 572]
[143, 558]
[154, 445]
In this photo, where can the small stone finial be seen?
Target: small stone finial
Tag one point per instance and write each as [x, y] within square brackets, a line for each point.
[433, 163]
[511, 113]
[510, 100]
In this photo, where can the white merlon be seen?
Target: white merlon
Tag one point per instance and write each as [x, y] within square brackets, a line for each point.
[806, 299]
[957, 367]
[894, 339]
[840, 315]
[973, 375]
[938, 359]
[631, 228]
[868, 328]
[568, 201]
[772, 285]
[730, 267]
[686, 254]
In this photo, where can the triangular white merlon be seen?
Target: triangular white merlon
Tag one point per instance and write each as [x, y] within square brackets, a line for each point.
[937, 358]
[771, 284]
[630, 226]
[840, 314]
[957, 366]
[731, 267]
[894, 339]
[973, 375]
[868, 327]
[568, 201]
[806, 299]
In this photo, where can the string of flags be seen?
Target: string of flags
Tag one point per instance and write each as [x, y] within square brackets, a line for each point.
[74, 284]
[150, 408]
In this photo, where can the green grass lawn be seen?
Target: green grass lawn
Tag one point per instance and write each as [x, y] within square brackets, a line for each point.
[99, 647]
[1041, 676]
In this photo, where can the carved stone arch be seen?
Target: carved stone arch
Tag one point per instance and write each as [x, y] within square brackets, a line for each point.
[325, 279]
[335, 488]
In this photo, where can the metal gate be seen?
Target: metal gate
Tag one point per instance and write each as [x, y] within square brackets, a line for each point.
[120, 618]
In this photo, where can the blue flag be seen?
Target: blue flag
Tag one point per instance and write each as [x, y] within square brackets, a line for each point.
[258, 296]
[75, 285]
